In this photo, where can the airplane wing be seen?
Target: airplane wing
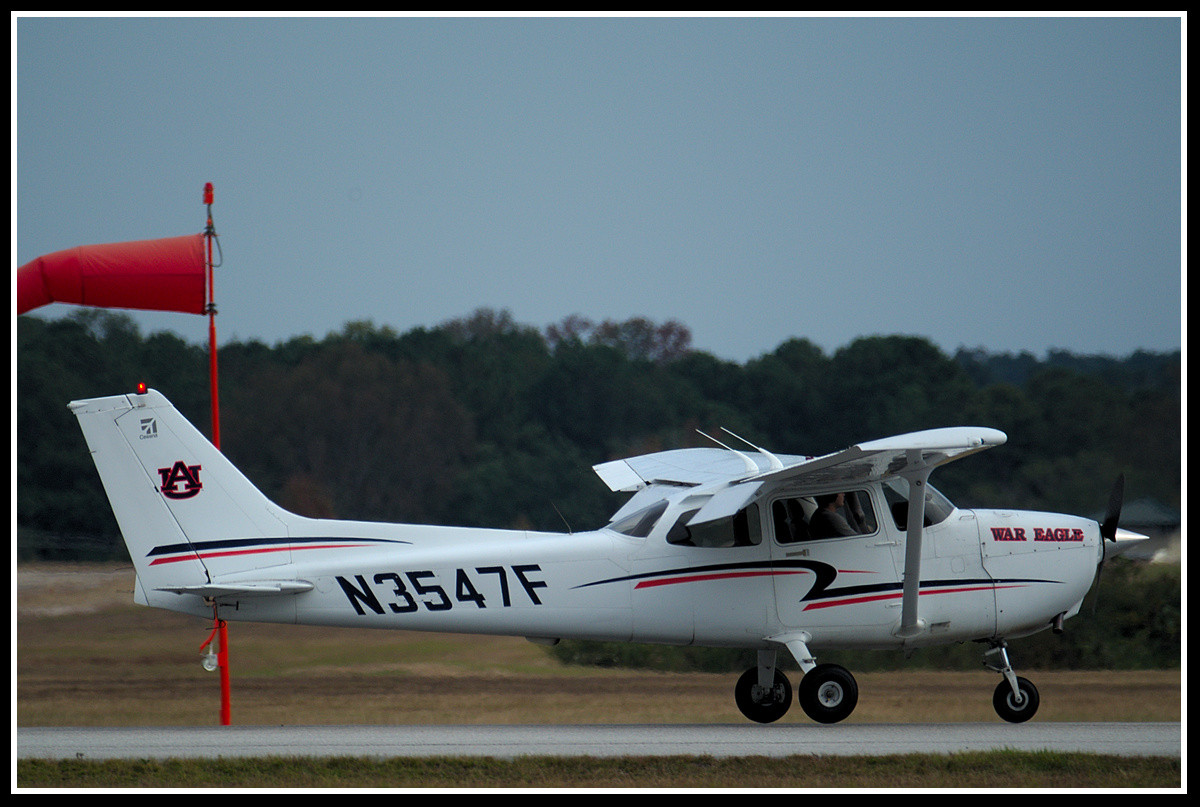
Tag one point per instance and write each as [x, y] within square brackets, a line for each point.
[737, 478]
[891, 456]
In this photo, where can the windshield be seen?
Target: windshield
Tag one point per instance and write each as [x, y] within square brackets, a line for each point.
[937, 507]
[640, 523]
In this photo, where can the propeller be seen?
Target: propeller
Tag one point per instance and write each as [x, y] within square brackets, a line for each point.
[1108, 527]
[1108, 530]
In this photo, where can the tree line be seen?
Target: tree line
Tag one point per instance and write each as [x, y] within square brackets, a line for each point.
[484, 421]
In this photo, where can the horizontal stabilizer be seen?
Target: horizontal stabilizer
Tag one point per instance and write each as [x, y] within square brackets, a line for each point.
[264, 588]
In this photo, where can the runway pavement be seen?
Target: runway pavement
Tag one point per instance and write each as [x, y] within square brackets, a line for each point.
[506, 742]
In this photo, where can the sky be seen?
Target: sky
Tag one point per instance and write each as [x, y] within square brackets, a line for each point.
[1011, 184]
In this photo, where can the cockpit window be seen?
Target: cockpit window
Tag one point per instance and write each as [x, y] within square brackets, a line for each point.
[937, 507]
[744, 528]
[640, 523]
[810, 518]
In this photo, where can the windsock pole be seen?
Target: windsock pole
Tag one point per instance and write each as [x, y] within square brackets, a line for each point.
[210, 234]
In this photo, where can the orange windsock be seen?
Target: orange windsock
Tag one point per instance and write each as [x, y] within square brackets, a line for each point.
[165, 274]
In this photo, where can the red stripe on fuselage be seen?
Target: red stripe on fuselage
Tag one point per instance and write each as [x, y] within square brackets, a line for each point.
[692, 578]
[235, 552]
[894, 595]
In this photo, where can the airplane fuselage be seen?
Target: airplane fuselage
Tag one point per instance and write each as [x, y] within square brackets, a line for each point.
[985, 574]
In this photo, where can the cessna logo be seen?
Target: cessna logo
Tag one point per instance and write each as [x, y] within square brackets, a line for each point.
[180, 474]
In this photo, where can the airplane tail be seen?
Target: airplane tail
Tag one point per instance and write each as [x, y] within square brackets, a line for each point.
[188, 516]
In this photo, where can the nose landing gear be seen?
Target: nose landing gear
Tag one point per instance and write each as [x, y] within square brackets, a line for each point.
[1015, 699]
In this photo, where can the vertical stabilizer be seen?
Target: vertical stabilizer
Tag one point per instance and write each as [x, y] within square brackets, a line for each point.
[187, 515]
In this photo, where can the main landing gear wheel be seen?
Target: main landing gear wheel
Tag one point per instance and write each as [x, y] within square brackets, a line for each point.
[763, 704]
[1019, 706]
[828, 693]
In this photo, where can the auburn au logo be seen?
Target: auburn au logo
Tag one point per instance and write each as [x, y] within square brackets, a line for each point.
[180, 474]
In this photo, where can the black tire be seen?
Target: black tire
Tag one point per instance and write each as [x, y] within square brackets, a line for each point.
[1014, 708]
[771, 705]
[828, 693]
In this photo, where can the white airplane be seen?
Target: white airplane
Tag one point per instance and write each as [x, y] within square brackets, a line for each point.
[717, 547]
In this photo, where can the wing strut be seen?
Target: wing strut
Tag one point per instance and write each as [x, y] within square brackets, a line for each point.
[911, 623]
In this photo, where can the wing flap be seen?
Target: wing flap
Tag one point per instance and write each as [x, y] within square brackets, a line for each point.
[724, 503]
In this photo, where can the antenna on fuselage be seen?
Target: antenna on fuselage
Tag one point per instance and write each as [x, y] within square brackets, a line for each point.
[564, 518]
[776, 465]
[751, 465]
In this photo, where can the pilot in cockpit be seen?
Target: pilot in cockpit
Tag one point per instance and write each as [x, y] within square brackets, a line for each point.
[833, 518]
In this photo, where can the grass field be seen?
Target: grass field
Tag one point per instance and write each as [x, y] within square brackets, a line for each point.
[86, 656]
[802, 773]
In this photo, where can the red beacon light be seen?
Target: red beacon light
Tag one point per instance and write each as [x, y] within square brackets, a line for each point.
[141, 388]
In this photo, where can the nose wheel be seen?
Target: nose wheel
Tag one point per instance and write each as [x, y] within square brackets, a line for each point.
[1016, 706]
[1015, 699]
